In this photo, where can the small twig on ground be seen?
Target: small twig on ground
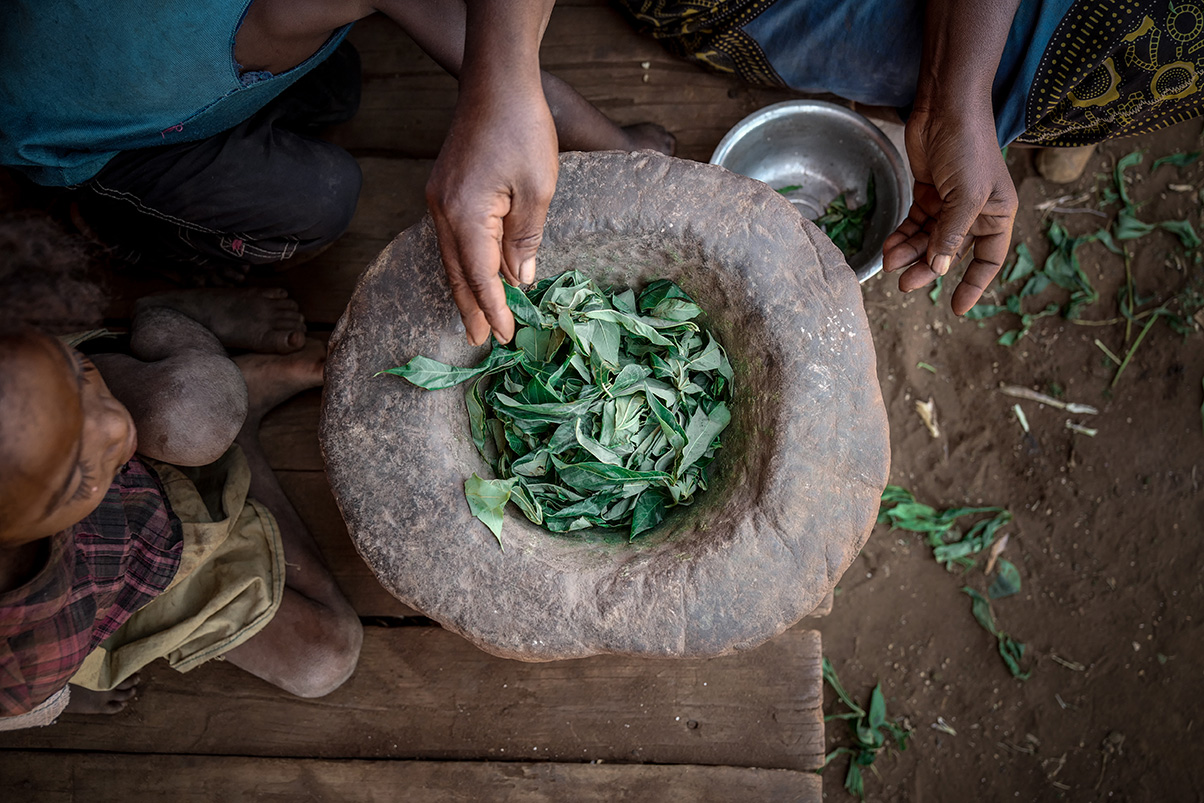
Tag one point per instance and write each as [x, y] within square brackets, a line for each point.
[1136, 343]
[1115, 360]
[1079, 210]
[1021, 417]
[1080, 429]
[943, 726]
[1107, 321]
[1072, 665]
[1020, 392]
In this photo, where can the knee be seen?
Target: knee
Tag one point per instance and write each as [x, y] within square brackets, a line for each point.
[334, 182]
[332, 660]
[194, 410]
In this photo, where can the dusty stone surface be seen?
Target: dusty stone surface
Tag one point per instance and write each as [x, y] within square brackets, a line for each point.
[794, 492]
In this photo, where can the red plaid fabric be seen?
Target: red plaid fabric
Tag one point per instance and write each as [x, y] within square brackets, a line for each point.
[99, 573]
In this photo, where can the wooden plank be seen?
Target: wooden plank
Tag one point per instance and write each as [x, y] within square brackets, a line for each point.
[425, 693]
[290, 434]
[408, 100]
[310, 494]
[119, 778]
[392, 200]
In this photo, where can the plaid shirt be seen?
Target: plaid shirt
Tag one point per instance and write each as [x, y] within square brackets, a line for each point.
[99, 573]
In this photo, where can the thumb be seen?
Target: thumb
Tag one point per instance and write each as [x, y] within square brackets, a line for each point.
[522, 234]
[957, 214]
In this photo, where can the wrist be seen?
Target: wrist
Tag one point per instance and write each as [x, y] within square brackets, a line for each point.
[963, 44]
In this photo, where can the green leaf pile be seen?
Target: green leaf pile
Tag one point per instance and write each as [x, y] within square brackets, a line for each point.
[870, 730]
[845, 225]
[604, 411]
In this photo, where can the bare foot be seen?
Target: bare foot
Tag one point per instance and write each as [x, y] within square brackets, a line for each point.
[86, 701]
[650, 136]
[261, 319]
[273, 379]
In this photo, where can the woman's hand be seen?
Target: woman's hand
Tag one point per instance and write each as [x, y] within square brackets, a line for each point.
[964, 198]
[489, 194]
[493, 181]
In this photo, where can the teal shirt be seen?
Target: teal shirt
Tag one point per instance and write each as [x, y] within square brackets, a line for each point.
[82, 80]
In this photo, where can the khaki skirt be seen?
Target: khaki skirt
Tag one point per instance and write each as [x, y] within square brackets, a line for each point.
[228, 587]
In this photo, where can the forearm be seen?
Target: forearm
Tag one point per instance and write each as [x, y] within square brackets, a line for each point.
[501, 44]
[963, 43]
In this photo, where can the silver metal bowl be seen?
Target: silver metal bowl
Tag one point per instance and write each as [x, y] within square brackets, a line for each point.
[824, 150]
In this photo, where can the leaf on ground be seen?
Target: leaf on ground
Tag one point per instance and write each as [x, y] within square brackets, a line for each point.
[1183, 230]
[1176, 159]
[1006, 582]
[1021, 267]
[1009, 649]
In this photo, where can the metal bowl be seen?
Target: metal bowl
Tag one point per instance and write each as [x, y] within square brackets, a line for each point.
[824, 150]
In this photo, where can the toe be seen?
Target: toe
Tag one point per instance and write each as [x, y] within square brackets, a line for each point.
[274, 292]
[131, 682]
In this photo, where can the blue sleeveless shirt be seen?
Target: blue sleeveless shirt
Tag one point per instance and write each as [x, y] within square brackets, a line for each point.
[82, 80]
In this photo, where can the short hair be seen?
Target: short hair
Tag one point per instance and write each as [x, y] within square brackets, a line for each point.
[45, 278]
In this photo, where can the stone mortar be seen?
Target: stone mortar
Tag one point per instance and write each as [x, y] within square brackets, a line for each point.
[793, 493]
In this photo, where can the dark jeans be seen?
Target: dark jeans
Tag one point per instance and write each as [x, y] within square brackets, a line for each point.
[261, 192]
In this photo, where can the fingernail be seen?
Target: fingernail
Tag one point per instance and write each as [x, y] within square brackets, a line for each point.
[940, 265]
[526, 271]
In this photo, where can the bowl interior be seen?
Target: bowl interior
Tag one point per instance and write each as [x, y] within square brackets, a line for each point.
[820, 150]
[634, 261]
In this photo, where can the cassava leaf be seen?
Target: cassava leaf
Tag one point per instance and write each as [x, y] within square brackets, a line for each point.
[486, 499]
[1006, 582]
[524, 311]
[434, 375]
[1176, 159]
[605, 411]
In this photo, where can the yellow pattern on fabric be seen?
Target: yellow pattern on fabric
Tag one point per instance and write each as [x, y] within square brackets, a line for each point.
[709, 33]
[1115, 69]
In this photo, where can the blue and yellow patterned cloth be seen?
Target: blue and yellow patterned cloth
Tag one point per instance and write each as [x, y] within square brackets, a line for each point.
[1073, 72]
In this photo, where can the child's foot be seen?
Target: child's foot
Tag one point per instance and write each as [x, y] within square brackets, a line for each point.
[274, 379]
[86, 701]
[260, 319]
[650, 136]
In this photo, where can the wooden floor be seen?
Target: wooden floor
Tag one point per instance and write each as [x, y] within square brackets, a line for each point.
[427, 717]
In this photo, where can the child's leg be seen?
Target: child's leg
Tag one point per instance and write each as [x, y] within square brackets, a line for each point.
[187, 399]
[312, 644]
[438, 28]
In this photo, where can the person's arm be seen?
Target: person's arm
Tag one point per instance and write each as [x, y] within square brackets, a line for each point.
[493, 181]
[963, 193]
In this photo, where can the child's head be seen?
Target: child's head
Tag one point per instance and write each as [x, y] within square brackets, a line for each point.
[62, 434]
[63, 437]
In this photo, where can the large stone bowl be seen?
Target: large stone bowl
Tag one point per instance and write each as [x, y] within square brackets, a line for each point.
[793, 493]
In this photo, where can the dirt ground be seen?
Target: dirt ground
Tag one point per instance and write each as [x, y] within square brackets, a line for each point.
[1106, 534]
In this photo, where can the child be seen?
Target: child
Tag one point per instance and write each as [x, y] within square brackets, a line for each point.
[110, 558]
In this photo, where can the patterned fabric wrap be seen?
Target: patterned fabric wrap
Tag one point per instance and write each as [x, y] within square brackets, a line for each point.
[1113, 69]
[710, 33]
[1073, 72]
[98, 574]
